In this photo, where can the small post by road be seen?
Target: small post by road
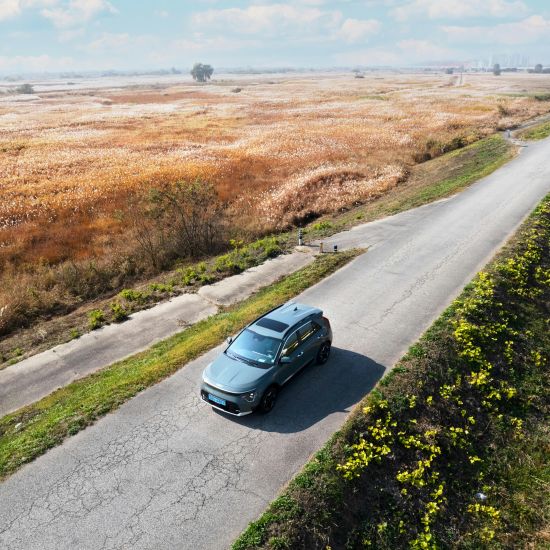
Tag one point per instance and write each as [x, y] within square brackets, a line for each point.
[320, 248]
[300, 237]
[335, 248]
[508, 133]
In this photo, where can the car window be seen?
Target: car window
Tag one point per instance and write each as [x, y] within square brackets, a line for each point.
[291, 344]
[308, 330]
[256, 347]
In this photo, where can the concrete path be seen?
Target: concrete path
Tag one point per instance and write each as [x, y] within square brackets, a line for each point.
[39, 375]
[165, 471]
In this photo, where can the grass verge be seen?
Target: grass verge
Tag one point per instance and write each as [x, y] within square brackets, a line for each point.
[451, 449]
[30, 431]
[540, 131]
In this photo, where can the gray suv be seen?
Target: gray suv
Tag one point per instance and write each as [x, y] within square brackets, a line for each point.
[265, 355]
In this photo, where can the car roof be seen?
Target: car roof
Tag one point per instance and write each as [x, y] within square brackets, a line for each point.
[279, 321]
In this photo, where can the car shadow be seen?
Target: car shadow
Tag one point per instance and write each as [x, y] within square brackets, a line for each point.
[316, 392]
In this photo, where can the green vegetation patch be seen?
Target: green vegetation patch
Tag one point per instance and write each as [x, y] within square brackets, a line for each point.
[541, 131]
[451, 448]
[30, 431]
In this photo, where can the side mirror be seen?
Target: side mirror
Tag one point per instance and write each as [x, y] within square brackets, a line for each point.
[230, 340]
[285, 360]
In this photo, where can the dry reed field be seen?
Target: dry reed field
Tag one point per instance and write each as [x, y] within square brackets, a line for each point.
[280, 151]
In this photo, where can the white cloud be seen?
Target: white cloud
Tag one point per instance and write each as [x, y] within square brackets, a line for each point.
[9, 9]
[457, 9]
[77, 12]
[532, 29]
[13, 8]
[270, 19]
[357, 30]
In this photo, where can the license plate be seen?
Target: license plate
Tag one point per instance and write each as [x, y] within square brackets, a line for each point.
[217, 399]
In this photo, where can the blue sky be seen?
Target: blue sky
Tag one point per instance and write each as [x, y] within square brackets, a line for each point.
[53, 35]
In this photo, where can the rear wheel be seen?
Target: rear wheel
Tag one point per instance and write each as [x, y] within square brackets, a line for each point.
[268, 399]
[323, 354]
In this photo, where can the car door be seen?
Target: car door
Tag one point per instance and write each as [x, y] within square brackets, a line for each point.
[293, 350]
[309, 340]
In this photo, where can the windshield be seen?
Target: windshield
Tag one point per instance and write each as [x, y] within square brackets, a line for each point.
[255, 347]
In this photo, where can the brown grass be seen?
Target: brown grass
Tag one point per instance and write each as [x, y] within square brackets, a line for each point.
[278, 153]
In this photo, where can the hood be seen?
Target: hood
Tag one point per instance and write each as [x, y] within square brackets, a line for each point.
[232, 375]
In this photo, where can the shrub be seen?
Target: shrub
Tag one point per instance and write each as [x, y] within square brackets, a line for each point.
[131, 295]
[118, 312]
[162, 287]
[96, 318]
[25, 89]
[320, 226]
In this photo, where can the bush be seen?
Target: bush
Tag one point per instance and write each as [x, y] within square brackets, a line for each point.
[118, 312]
[162, 287]
[96, 318]
[131, 295]
[183, 220]
[320, 226]
[25, 89]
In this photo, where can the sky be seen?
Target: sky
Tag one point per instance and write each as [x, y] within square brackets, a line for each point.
[72, 35]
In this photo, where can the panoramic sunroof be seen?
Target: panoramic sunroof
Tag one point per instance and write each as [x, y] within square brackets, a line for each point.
[271, 324]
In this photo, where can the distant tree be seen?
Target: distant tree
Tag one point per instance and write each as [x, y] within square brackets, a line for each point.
[25, 89]
[496, 69]
[538, 68]
[201, 73]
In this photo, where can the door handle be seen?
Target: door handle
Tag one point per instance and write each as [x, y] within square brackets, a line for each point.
[300, 354]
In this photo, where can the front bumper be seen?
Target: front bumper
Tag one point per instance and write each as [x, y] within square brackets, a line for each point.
[234, 403]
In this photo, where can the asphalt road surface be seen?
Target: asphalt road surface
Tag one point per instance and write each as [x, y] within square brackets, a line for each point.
[166, 471]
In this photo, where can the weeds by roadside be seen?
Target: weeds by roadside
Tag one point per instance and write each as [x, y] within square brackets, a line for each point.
[541, 131]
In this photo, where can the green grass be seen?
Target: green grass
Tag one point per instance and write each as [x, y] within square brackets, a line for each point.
[466, 410]
[541, 131]
[30, 431]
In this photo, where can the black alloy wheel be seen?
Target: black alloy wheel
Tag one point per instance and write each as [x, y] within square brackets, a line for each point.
[268, 400]
[323, 354]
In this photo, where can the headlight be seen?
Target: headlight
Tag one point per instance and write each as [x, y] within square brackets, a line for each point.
[249, 396]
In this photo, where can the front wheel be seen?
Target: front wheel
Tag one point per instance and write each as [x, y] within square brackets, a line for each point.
[268, 400]
[323, 354]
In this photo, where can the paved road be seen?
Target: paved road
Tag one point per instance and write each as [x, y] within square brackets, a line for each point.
[41, 374]
[165, 471]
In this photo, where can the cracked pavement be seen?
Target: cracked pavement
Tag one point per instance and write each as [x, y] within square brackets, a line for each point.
[166, 471]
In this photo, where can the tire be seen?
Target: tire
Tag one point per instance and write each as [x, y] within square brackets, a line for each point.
[268, 399]
[324, 353]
